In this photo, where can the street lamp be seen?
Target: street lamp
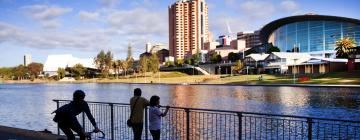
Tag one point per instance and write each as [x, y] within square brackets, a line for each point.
[294, 69]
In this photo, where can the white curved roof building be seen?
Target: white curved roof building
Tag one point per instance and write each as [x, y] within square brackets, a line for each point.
[53, 62]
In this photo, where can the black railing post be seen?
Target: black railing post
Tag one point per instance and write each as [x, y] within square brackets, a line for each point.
[83, 120]
[309, 123]
[57, 107]
[240, 124]
[146, 123]
[112, 120]
[187, 111]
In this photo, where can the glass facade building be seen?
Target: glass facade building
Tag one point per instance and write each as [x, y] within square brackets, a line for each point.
[316, 36]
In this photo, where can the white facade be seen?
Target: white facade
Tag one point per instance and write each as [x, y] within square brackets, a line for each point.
[53, 62]
[282, 60]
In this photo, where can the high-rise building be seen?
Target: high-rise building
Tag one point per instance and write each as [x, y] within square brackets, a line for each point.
[252, 38]
[188, 27]
[27, 59]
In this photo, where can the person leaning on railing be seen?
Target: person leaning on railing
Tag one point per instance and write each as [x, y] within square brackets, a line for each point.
[137, 104]
[155, 117]
[66, 116]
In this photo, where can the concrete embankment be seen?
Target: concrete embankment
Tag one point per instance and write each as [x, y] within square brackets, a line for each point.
[8, 133]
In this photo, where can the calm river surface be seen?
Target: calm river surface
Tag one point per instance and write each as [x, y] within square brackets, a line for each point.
[29, 106]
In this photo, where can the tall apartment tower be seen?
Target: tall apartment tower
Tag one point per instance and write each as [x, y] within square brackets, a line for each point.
[188, 28]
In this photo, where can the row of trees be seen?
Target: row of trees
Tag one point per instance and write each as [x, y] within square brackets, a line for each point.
[32, 71]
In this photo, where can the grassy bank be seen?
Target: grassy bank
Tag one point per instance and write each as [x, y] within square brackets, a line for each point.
[330, 78]
[179, 78]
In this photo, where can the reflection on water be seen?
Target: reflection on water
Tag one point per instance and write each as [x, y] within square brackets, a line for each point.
[30, 105]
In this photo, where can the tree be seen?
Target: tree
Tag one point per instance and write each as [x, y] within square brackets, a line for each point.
[233, 57]
[6, 73]
[179, 62]
[103, 61]
[273, 49]
[343, 47]
[35, 69]
[239, 65]
[99, 61]
[19, 72]
[154, 63]
[128, 64]
[78, 70]
[144, 64]
[61, 73]
[215, 58]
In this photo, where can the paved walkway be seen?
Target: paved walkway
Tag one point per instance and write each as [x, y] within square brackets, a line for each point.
[8, 133]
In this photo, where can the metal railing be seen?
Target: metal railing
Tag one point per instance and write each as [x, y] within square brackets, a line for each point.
[193, 124]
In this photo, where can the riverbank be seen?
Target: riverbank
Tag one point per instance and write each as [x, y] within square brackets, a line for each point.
[339, 78]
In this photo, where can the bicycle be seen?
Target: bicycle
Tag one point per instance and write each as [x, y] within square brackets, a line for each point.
[88, 134]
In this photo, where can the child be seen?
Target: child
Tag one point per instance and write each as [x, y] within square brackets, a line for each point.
[155, 117]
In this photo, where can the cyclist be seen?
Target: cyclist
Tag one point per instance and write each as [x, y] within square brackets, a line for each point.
[66, 116]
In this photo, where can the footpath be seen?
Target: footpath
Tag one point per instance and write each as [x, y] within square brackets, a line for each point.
[8, 133]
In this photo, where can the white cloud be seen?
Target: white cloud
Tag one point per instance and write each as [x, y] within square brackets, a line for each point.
[78, 39]
[84, 15]
[138, 22]
[289, 5]
[110, 3]
[258, 9]
[47, 15]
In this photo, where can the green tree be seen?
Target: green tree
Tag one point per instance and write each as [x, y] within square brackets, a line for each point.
[35, 69]
[6, 73]
[61, 73]
[215, 58]
[343, 47]
[239, 65]
[233, 57]
[78, 70]
[103, 62]
[179, 62]
[169, 63]
[154, 63]
[188, 61]
[128, 64]
[20, 72]
[143, 64]
[99, 61]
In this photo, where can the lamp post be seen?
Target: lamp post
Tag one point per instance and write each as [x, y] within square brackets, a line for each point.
[294, 69]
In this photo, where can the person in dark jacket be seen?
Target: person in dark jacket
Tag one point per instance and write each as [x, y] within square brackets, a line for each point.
[66, 116]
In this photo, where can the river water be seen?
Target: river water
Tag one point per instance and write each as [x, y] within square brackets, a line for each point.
[29, 106]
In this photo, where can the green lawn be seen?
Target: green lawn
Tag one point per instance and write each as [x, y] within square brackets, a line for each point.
[329, 78]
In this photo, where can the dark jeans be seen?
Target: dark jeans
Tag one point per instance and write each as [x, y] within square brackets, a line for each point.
[137, 130]
[66, 127]
[155, 134]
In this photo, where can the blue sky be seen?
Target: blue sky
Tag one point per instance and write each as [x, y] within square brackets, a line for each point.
[84, 27]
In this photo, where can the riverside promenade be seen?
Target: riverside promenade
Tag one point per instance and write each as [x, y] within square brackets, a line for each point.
[9, 133]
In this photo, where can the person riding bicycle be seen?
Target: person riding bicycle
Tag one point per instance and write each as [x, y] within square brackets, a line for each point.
[66, 116]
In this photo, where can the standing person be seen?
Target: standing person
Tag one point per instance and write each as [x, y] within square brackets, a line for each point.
[137, 105]
[155, 117]
[66, 116]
